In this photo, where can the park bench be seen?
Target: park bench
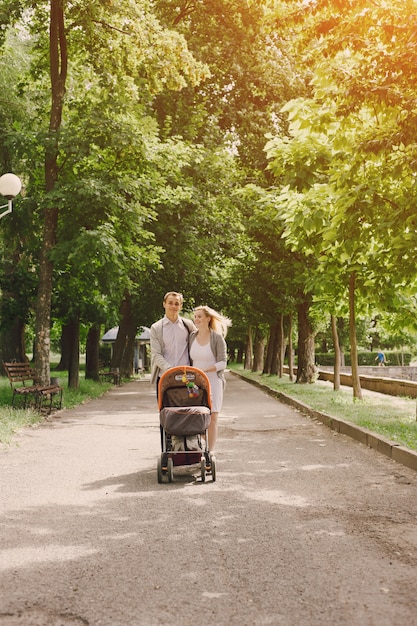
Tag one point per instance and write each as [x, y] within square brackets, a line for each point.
[112, 374]
[25, 384]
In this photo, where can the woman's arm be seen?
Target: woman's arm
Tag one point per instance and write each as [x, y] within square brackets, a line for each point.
[219, 349]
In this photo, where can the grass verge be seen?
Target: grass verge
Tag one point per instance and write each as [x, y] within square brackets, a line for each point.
[13, 420]
[392, 417]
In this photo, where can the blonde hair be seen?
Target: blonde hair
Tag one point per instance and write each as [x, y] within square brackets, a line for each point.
[218, 322]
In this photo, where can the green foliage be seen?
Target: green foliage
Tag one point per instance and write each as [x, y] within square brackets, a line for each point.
[366, 358]
[251, 77]
[198, 225]
[162, 181]
[145, 191]
[266, 265]
[126, 39]
[345, 170]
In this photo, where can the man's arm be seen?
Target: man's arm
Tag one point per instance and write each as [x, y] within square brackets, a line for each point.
[157, 348]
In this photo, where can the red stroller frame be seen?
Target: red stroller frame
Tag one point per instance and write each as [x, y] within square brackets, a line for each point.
[184, 402]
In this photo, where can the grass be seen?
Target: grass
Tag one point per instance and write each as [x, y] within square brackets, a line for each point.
[392, 417]
[12, 420]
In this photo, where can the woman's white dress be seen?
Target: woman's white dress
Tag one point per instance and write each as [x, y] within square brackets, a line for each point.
[202, 357]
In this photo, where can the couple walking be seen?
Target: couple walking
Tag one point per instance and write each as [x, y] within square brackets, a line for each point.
[177, 341]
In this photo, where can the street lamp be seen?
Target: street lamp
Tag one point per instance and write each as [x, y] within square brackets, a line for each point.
[10, 186]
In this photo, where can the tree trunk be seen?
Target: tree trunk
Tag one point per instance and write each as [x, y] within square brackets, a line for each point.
[74, 365]
[43, 303]
[127, 364]
[269, 350]
[258, 352]
[248, 350]
[240, 353]
[124, 346]
[58, 73]
[12, 342]
[273, 370]
[336, 376]
[290, 350]
[64, 362]
[306, 355]
[130, 328]
[341, 334]
[92, 352]
[281, 346]
[356, 384]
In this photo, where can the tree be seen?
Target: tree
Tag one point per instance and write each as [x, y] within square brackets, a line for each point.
[363, 84]
[144, 55]
[284, 275]
[58, 60]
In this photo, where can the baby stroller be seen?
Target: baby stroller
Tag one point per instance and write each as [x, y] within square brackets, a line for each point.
[184, 414]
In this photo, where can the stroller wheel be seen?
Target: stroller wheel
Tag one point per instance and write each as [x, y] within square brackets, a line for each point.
[213, 468]
[170, 470]
[203, 469]
[159, 469]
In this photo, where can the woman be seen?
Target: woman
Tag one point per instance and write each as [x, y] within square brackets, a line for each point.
[208, 352]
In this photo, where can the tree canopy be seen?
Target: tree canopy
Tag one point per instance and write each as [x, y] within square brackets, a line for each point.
[256, 156]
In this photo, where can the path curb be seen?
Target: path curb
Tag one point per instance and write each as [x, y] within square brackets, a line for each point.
[392, 450]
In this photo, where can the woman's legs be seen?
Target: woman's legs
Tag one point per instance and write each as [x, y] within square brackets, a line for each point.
[212, 431]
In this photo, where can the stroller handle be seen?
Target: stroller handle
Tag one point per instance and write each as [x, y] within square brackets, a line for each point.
[183, 374]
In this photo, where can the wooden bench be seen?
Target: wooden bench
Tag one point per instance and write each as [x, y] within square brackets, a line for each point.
[25, 384]
[110, 374]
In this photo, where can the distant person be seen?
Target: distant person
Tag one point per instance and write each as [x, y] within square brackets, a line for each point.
[169, 337]
[380, 358]
[208, 352]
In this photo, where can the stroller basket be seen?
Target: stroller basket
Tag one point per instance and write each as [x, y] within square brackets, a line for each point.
[185, 420]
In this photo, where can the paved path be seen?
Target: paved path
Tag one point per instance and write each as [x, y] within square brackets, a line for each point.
[303, 526]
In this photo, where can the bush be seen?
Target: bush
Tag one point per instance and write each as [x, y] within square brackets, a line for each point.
[366, 358]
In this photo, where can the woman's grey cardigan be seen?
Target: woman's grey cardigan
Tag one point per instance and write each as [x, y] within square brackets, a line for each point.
[218, 347]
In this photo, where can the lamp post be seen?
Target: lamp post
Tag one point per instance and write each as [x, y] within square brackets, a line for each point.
[10, 186]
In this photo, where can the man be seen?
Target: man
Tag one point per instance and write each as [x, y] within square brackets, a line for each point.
[169, 337]
[380, 357]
